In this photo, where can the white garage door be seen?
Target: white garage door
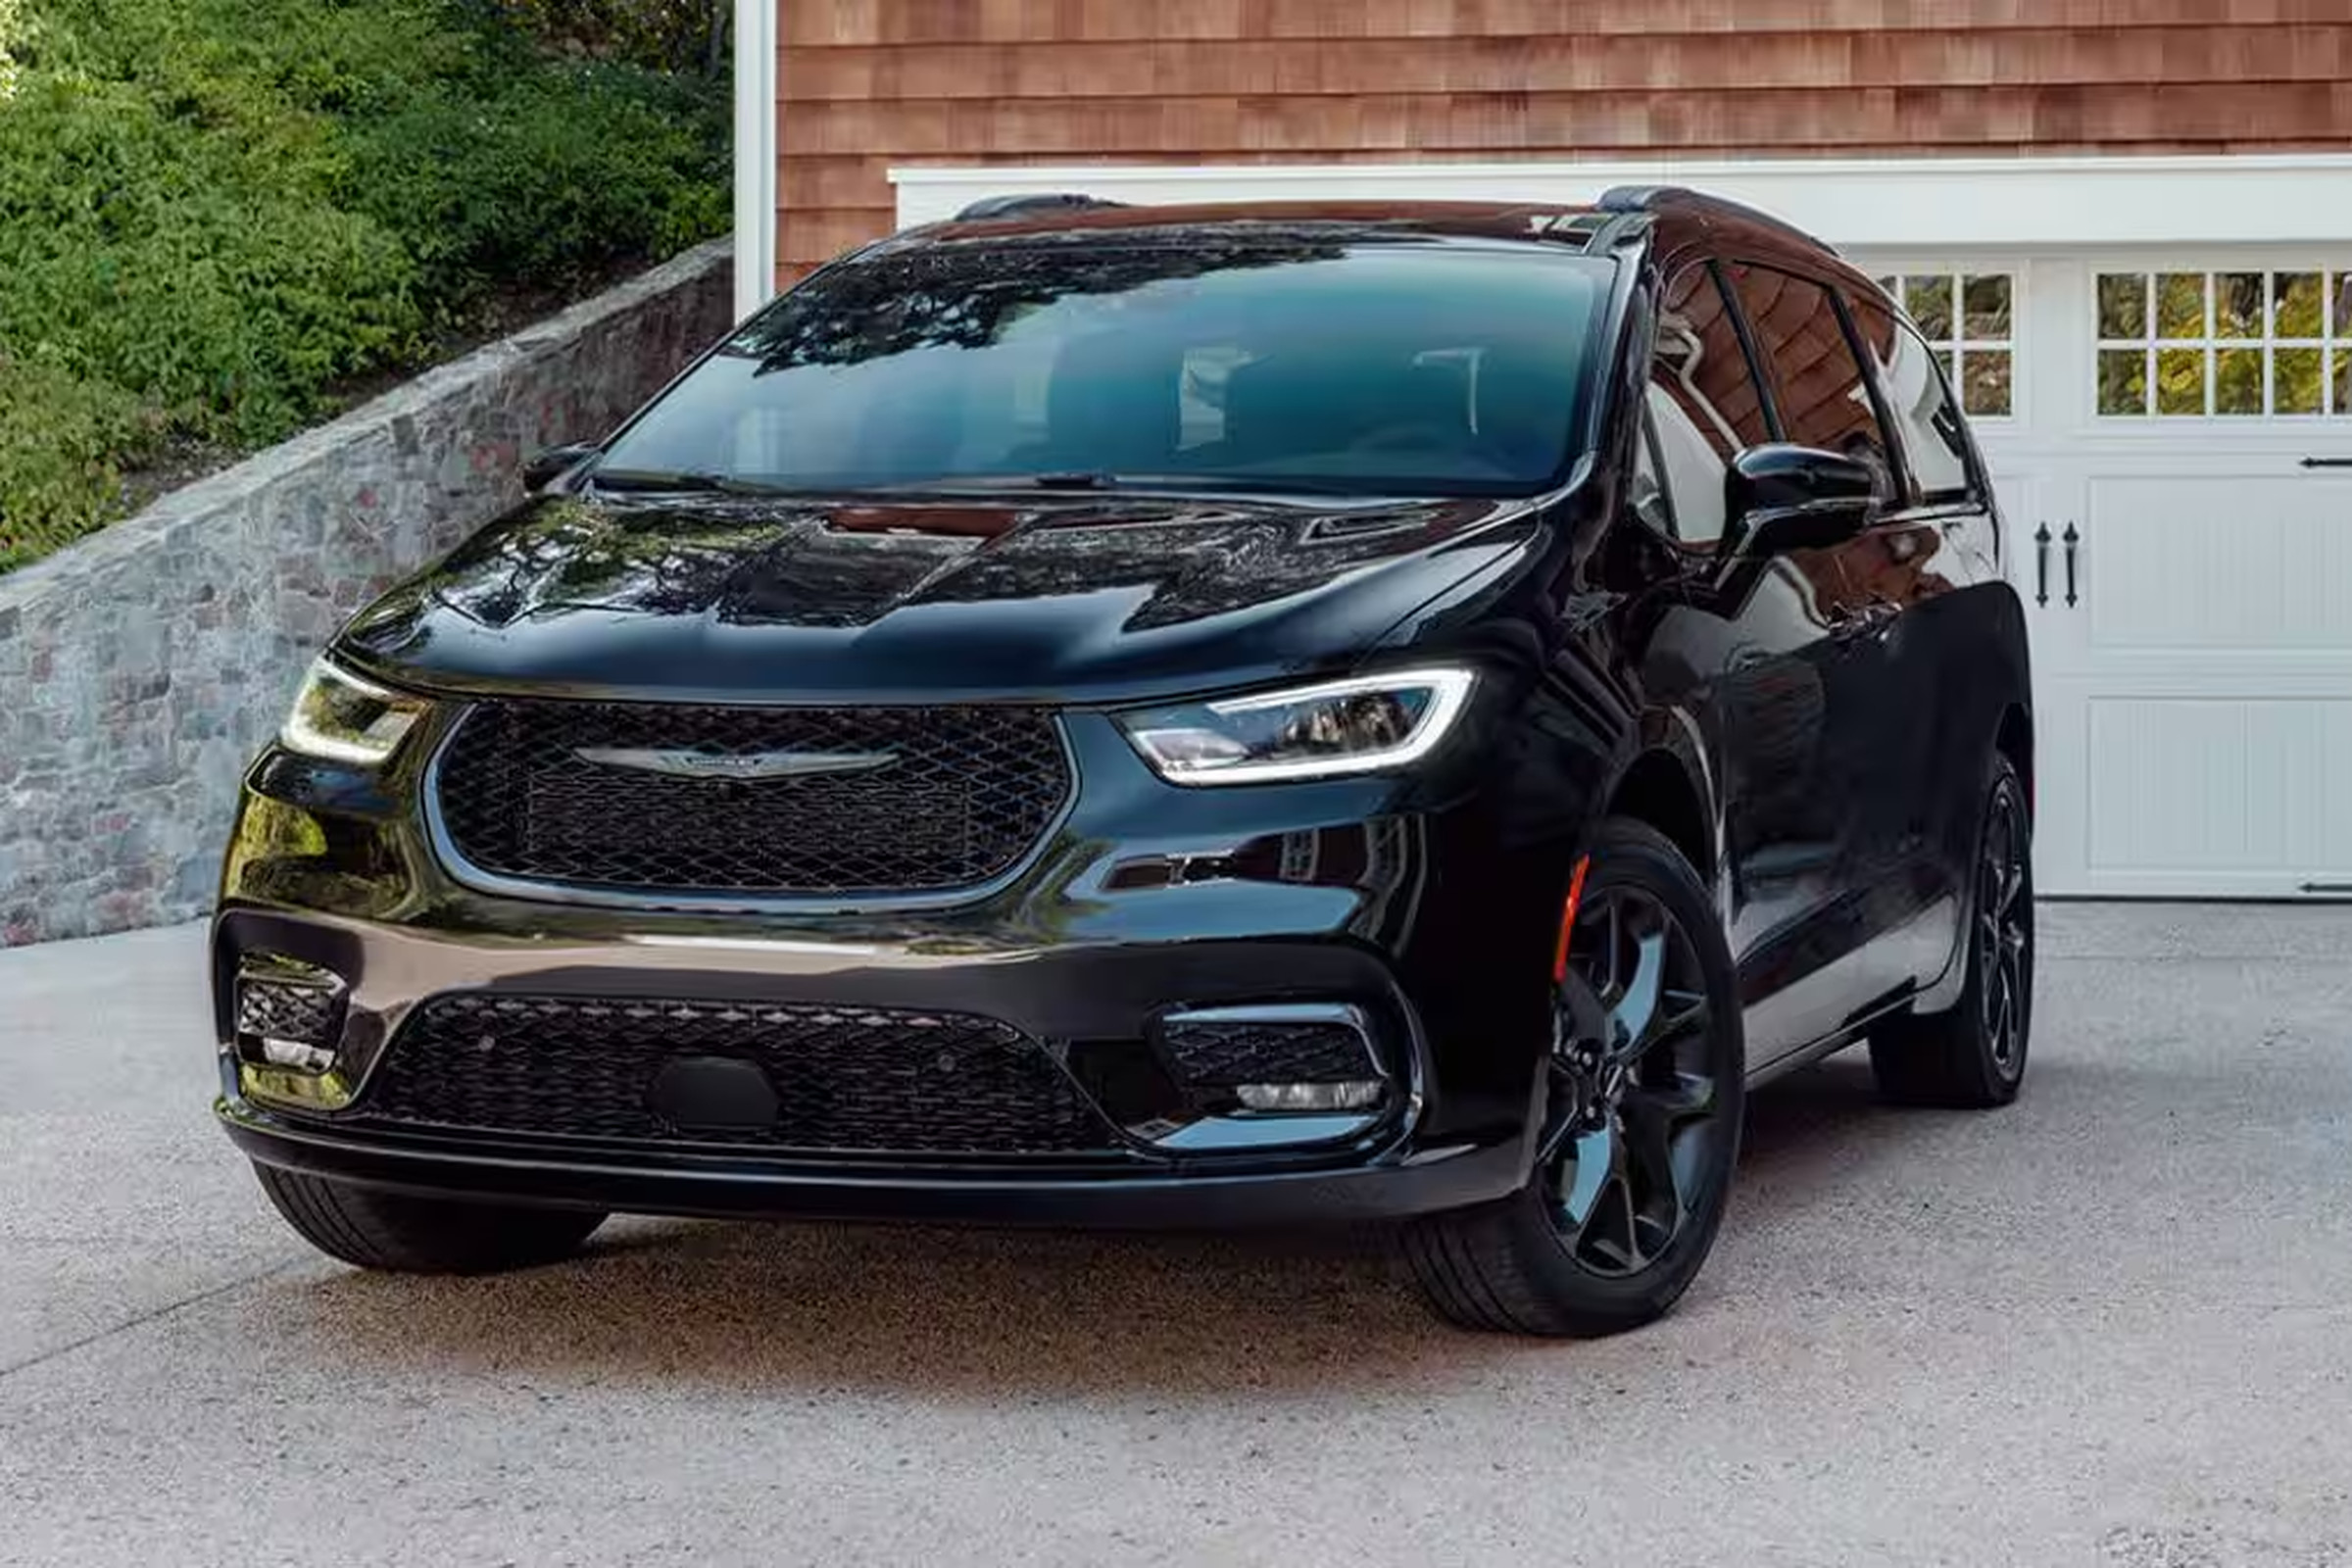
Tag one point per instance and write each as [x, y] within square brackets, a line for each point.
[2172, 435]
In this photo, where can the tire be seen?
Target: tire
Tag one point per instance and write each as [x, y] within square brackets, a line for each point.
[1972, 1056]
[395, 1232]
[1529, 1263]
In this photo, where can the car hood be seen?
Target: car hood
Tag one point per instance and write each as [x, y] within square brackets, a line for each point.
[902, 598]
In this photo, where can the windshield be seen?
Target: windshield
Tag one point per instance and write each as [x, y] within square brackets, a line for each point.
[1256, 364]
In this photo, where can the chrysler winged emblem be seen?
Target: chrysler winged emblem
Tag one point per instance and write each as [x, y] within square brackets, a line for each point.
[747, 768]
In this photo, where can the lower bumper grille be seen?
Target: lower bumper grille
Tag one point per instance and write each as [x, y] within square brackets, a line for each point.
[836, 1079]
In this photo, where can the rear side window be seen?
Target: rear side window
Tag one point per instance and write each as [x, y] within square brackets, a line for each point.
[1919, 399]
[1703, 401]
[1817, 382]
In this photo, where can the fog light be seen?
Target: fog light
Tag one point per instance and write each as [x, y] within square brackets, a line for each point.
[1348, 1094]
[293, 1053]
[290, 1014]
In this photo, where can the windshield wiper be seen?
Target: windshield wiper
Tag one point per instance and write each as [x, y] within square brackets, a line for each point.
[1098, 479]
[690, 481]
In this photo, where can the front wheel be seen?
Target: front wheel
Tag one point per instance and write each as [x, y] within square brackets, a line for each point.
[1640, 1126]
[410, 1235]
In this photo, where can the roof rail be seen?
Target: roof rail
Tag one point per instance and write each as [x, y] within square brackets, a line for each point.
[989, 207]
[1650, 198]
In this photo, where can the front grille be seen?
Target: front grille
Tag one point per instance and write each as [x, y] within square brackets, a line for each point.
[844, 1079]
[962, 795]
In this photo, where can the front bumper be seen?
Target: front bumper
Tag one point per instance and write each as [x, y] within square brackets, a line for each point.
[1148, 900]
[1392, 1186]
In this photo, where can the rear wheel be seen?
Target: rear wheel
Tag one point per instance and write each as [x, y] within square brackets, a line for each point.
[1972, 1055]
[408, 1235]
[1642, 1123]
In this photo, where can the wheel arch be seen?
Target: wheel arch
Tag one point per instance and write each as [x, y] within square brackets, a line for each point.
[1663, 785]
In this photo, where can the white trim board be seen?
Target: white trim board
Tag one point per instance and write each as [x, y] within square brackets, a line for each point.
[1948, 204]
[755, 153]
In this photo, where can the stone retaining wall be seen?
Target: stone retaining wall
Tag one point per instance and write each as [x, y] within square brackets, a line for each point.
[141, 668]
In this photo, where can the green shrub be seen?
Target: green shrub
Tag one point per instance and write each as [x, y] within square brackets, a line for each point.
[546, 177]
[214, 212]
[60, 438]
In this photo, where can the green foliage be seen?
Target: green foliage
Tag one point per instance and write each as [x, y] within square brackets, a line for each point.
[213, 211]
[12, 35]
[58, 437]
[546, 175]
[674, 35]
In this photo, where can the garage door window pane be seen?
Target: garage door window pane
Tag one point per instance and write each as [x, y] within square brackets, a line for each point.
[2237, 305]
[1984, 307]
[2122, 381]
[2237, 381]
[2297, 387]
[2296, 311]
[2123, 305]
[2342, 381]
[1929, 302]
[2180, 305]
[2180, 381]
[1985, 389]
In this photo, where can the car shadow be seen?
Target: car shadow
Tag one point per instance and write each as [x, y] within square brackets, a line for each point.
[980, 1314]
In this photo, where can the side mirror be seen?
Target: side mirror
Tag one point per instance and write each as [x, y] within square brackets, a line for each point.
[1781, 498]
[543, 469]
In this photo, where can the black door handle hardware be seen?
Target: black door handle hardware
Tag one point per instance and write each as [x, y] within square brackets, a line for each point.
[2326, 462]
[2071, 539]
[2041, 564]
[2327, 887]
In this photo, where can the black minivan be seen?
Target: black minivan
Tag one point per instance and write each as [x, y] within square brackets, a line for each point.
[1101, 715]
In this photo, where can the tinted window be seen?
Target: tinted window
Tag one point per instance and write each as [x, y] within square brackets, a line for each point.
[1920, 401]
[1816, 383]
[1362, 367]
[1703, 401]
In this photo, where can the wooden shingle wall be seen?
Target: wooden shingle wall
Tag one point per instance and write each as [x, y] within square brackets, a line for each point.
[869, 84]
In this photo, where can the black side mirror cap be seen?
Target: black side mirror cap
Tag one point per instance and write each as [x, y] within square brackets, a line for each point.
[1782, 497]
[543, 469]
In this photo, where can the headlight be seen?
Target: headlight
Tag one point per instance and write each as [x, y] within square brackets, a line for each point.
[1341, 726]
[339, 717]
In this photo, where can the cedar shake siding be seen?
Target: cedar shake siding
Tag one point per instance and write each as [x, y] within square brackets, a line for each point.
[864, 84]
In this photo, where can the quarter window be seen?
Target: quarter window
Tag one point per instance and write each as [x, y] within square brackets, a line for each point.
[1969, 320]
[2224, 344]
[1817, 382]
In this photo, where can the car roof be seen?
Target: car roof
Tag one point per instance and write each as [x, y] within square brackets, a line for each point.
[1676, 224]
[1541, 222]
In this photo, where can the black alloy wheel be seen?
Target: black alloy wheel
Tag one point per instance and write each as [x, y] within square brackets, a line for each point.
[2003, 948]
[1972, 1056]
[1635, 1094]
[1641, 1117]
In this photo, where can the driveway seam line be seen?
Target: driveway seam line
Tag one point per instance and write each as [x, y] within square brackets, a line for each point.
[142, 1320]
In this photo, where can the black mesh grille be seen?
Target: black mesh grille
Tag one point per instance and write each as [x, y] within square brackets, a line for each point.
[272, 1009]
[964, 794]
[1220, 1052]
[844, 1079]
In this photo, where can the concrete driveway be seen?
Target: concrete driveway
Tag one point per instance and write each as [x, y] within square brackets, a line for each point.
[2110, 1326]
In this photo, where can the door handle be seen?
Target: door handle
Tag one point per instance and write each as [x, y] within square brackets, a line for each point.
[2041, 564]
[2326, 462]
[2071, 538]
